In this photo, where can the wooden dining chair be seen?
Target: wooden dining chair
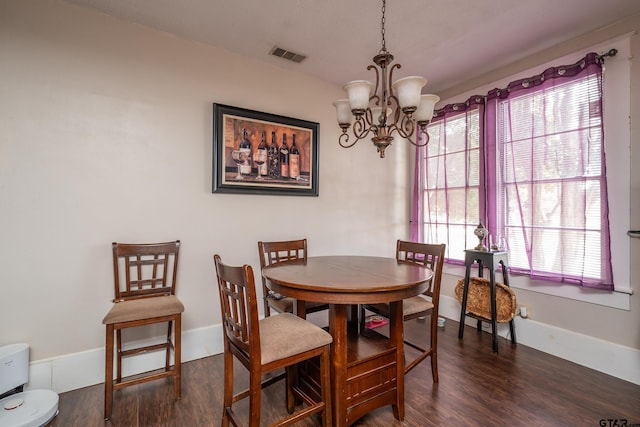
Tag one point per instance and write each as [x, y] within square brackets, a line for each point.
[272, 253]
[427, 255]
[145, 287]
[264, 346]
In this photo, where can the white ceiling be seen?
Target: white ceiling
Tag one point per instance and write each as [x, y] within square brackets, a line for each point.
[446, 41]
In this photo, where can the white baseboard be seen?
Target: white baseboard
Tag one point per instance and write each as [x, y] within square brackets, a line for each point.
[604, 356]
[77, 370]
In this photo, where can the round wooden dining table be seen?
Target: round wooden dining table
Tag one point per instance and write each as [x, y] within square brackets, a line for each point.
[367, 370]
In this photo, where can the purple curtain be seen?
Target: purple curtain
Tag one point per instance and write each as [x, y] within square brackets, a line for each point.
[547, 143]
[449, 178]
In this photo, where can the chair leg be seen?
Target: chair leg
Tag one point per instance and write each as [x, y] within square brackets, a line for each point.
[118, 355]
[108, 374]
[434, 367]
[228, 386]
[255, 391]
[325, 387]
[289, 384]
[434, 346]
[267, 307]
[167, 361]
[177, 358]
[431, 351]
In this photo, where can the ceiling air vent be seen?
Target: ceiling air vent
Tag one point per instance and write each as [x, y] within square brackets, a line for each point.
[286, 54]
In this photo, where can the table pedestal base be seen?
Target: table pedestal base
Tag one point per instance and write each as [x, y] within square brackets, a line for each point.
[367, 379]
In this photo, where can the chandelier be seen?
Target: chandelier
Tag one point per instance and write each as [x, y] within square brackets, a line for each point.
[392, 108]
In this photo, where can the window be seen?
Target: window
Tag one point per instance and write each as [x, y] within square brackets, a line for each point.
[541, 182]
[552, 182]
[450, 177]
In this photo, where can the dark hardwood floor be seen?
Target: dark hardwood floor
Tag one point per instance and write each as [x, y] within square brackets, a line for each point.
[519, 386]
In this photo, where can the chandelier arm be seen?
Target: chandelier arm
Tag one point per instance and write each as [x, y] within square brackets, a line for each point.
[375, 91]
[361, 128]
[396, 109]
[368, 118]
[417, 144]
[343, 140]
[391, 70]
[360, 131]
[406, 127]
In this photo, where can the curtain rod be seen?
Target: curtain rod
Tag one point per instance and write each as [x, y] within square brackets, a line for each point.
[611, 53]
[464, 104]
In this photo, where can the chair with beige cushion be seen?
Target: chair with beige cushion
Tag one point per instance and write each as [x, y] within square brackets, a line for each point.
[431, 256]
[145, 285]
[272, 253]
[267, 345]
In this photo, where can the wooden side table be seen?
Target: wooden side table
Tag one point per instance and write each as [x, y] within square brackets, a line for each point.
[490, 260]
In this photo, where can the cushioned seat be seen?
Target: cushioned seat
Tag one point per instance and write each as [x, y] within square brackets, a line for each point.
[410, 306]
[143, 308]
[285, 305]
[286, 335]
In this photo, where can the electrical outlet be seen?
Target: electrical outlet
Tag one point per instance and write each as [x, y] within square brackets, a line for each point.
[523, 311]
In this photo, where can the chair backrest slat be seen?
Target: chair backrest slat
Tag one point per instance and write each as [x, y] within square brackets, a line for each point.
[150, 269]
[272, 253]
[238, 306]
[285, 251]
[427, 255]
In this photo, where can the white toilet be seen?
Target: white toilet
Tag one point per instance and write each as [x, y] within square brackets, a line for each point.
[31, 408]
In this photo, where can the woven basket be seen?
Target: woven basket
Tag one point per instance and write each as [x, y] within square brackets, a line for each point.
[479, 299]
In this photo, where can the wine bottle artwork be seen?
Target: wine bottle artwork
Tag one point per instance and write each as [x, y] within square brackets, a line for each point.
[284, 158]
[260, 158]
[245, 147]
[273, 159]
[256, 152]
[294, 159]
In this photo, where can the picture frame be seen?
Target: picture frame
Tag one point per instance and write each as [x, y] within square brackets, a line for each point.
[240, 164]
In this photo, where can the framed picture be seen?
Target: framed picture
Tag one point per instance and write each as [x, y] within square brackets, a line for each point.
[261, 153]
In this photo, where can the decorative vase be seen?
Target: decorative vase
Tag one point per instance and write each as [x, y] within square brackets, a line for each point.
[481, 232]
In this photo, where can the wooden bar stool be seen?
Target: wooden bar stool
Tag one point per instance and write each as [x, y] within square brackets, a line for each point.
[273, 253]
[430, 256]
[145, 285]
[267, 345]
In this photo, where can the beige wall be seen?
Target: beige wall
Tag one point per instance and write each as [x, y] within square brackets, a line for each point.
[610, 324]
[106, 135]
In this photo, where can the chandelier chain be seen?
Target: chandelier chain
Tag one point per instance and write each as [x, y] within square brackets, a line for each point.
[384, 43]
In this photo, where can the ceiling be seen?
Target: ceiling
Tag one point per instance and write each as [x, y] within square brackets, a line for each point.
[446, 41]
